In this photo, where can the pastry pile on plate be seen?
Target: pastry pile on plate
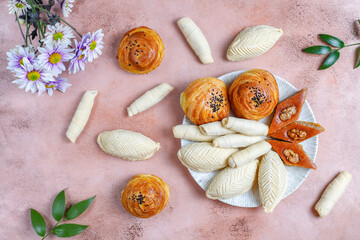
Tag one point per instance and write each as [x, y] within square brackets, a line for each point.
[240, 147]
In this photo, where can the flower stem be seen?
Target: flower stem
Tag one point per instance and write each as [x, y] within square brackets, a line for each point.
[44, 10]
[41, 33]
[26, 22]
[21, 31]
[27, 33]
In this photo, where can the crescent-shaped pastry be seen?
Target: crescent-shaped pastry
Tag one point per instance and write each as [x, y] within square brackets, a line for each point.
[254, 94]
[205, 100]
[203, 157]
[81, 115]
[333, 193]
[127, 145]
[252, 42]
[145, 195]
[149, 99]
[236, 140]
[196, 39]
[233, 181]
[140, 51]
[191, 132]
[272, 180]
[214, 129]
[246, 155]
[244, 126]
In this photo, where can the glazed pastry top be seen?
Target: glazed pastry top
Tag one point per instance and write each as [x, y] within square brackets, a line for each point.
[254, 94]
[145, 195]
[140, 51]
[288, 111]
[205, 100]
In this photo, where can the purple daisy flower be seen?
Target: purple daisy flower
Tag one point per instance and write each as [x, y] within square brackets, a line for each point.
[77, 63]
[53, 58]
[32, 77]
[60, 84]
[94, 46]
[17, 55]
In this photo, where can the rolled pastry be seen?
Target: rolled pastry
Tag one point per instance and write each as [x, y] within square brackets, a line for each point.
[140, 51]
[244, 126]
[196, 39]
[191, 132]
[127, 145]
[214, 129]
[145, 195]
[254, 94]
[252, 42]
[272, 179]
[244, 156]
[236, 140]
[81, 115]
[332, 193]
[233, 181]
[203, 157]
[149, 99]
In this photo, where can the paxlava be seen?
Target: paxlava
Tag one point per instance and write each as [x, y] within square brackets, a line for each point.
[292, 154]
[298, 131]
[288, 111]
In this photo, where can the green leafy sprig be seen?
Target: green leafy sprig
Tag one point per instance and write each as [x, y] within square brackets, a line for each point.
[334, 53]
[61, 229]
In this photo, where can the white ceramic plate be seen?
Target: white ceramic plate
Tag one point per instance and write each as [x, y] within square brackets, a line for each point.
[296, 175]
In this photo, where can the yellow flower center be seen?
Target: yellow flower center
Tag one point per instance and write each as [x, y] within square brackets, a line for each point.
[81, 56]
[19, 5]
[33, 76]
[58, 36]
[55, 58]
[21, 61]
[92, 45]
[49, 86]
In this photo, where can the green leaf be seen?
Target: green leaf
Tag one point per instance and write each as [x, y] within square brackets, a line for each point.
[68, 230]
[359, 21]
[333, 41]
[330, 60]
[358, 57]
[78, 208]
[38, 223]
[58, 207]
[317, 49]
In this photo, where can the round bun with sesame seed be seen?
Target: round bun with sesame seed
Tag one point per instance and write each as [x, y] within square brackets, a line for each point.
[254, 94]
[205, 100]
[145, 195]
[140, 51]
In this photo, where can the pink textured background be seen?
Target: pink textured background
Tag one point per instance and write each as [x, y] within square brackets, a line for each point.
[37, 161]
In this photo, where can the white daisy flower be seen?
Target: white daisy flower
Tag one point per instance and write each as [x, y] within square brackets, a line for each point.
[32, 77]
[94, 45]
[16, 57]
[66, 7]
[18, 6]
[58, 34]
[53, 58]
[77, 63]
[60, 84]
